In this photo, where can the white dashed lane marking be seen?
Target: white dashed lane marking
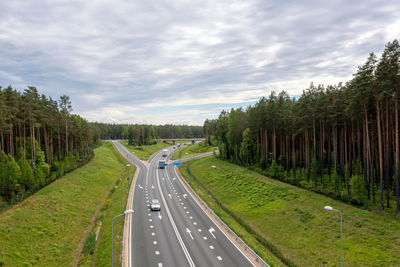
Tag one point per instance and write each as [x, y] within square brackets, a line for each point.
[204, 237]
[211, 247]
[219, 258]
[157, 252]
[153, 234]
[155, 242]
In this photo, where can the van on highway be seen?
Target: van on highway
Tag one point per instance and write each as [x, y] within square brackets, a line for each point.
[165, 152]
[161, 164]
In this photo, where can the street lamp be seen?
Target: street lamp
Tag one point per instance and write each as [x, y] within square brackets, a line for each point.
[341, 232]
[190, 173]
[112, 224]
[127, 165]
[219, 190]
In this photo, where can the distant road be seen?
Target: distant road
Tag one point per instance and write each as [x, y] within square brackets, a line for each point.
[181, 234]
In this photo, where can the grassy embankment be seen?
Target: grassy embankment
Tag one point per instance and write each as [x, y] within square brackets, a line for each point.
[292, 220]
[46, 229]
[146, 151]
[192, 150]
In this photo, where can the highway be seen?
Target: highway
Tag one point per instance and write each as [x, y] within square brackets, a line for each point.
[181, 234]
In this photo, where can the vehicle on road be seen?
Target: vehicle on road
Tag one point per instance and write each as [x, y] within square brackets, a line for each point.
[165, 152]
[161, 164]
[155, 205]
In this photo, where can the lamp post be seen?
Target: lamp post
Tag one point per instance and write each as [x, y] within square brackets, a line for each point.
[127, 165]
[219, 190]
[190, 173]
[341, 232]
[112, 224]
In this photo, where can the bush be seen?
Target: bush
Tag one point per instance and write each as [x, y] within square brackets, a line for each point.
[357, 189]
[90, 244]
[275, 170]
[26, 177]
[9, 174]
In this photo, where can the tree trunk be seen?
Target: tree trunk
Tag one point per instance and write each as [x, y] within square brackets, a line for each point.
[32, 130]
[66, 136]
[59, 141]
[397, 152]
[346, 177]
[46, 149]
[387, 153]
[378, 121]
[321, 153]
[293, 155]
[314, 151]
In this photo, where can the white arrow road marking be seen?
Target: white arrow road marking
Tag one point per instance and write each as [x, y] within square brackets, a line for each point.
[170, 196]
[189, 232]
[184, 196]
[140, 186]
[211, 230]
[174, 178]
[159, 215]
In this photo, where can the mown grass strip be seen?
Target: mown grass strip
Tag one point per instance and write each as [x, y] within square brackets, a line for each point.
[46, 229]
[295, 222]
[146, 151]
[192, 150]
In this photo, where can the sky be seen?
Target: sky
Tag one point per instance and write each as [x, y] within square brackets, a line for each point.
[180, 62]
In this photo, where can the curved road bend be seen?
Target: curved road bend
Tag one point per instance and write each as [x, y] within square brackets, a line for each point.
[181, 234]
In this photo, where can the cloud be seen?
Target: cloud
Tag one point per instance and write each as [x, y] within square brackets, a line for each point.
[130, 61]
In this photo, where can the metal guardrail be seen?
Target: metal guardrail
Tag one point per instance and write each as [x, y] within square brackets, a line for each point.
[257, 257]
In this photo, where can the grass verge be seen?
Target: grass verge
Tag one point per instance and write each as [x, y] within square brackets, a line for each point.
[146, 151]
[192, 150]
[293, 220]
[46, 228]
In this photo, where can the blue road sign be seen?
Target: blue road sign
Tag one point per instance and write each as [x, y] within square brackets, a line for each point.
[165, 164]
[176, 163]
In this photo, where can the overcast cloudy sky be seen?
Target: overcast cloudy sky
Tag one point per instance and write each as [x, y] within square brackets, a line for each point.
[177, 61]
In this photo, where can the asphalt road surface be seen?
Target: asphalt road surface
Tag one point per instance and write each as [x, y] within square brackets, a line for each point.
[181, 234]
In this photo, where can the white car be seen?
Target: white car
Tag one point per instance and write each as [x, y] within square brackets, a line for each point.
[155, 204]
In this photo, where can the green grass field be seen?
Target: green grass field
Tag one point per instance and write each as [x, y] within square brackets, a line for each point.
[192, 150]
[145, 152]
[295, 222]
[46, 228]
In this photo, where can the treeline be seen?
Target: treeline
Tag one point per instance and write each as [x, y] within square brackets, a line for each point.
[342, 140]
[40, 140]
[144, 134]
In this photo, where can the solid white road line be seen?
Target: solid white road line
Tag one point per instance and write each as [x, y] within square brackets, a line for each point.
[188, 257]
